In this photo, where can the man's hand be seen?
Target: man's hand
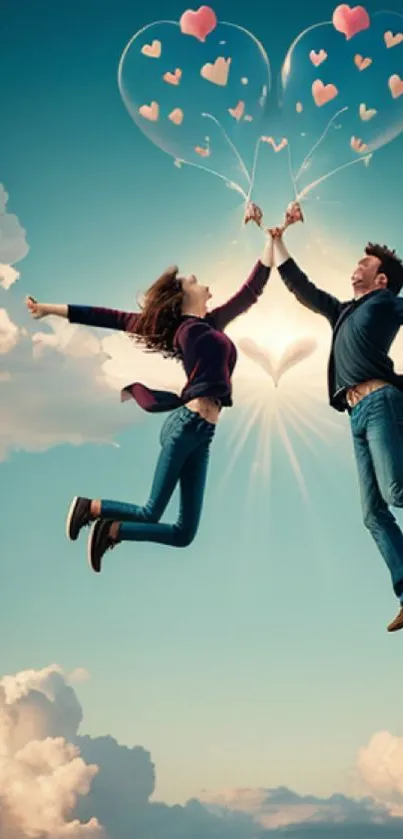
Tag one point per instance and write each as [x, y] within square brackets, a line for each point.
[35, 309]
[292, 216]
[293, 213]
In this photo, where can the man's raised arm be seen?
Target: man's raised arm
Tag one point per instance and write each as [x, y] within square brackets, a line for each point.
[304, 290]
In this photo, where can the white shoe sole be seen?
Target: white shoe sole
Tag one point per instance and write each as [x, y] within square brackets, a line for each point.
[69, 518]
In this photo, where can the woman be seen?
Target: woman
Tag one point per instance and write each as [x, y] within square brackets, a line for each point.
[174, 322]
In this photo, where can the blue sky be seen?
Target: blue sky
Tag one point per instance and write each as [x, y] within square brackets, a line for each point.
[259, 656]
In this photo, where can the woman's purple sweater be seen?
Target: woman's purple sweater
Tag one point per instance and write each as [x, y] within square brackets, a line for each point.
[208, 355]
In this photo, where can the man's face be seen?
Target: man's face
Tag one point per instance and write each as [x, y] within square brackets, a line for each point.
[367, 277]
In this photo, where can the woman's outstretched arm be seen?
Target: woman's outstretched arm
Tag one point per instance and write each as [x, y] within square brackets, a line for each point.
[249, 293]
[86, 315]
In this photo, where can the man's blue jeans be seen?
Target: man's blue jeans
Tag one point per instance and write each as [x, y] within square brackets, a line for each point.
[377, 427]
[185, 447]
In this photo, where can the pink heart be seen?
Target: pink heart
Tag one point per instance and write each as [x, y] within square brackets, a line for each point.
[152, 50]
[203, 152]
[218, 72]
[322, 93]
[318, 58]
[150, 112]
[392, 40]
[239, 111]
[350, 21]
[176, 116]
[272, 142]
[199, 24]
[362, 63]
[358, 145]
[396, 86]
[173, 78]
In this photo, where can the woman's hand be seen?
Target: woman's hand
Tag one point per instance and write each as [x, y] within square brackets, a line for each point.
[253, 213]
[42, 310]
[35, 309]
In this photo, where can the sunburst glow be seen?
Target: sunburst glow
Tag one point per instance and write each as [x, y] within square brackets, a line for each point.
[296, 408]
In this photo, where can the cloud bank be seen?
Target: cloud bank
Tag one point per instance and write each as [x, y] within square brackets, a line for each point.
[56, 783]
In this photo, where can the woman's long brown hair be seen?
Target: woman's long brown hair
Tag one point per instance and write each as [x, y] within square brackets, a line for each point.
[160, 315]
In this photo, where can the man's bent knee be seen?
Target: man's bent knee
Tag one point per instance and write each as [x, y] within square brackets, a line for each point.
[377, 518]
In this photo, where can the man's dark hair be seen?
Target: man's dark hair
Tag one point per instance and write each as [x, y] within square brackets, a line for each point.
[390, 265]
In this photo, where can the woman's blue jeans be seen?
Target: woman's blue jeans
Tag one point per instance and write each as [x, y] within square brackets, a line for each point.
[377, 428]
[185, 447]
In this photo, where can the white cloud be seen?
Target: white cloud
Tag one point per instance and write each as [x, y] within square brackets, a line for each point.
[380, 766]
[39, 787]
[56, 391]
[63, 384]
[43, 705]
[8, 276]
[9, 333]
[42, 775]
[280, 808]
[13, 243]
[68, 339]
[125, 362]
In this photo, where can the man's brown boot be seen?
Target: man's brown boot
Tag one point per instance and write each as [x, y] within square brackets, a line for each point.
[397, 623]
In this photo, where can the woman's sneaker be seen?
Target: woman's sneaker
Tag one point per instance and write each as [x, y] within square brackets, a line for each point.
[99, 541]
[78, 516]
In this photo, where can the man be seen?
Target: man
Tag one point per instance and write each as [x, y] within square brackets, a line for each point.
[362, 381]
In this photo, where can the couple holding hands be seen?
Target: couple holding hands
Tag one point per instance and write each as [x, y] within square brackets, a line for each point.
[175, 321]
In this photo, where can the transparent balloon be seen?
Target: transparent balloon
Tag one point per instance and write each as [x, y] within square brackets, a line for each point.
[200, 100]
[342, 94]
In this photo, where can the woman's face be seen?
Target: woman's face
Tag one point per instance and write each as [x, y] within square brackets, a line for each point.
[195, 294]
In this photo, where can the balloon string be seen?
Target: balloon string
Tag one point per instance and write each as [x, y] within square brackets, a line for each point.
[291, 171]
[231, 145]
[324, 178]
[228, 183]
[254, 168]
[317, 144]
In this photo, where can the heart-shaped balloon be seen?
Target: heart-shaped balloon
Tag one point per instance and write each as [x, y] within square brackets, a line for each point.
[350, 21]
[198, 90]
[199, 24]
[341, 112]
